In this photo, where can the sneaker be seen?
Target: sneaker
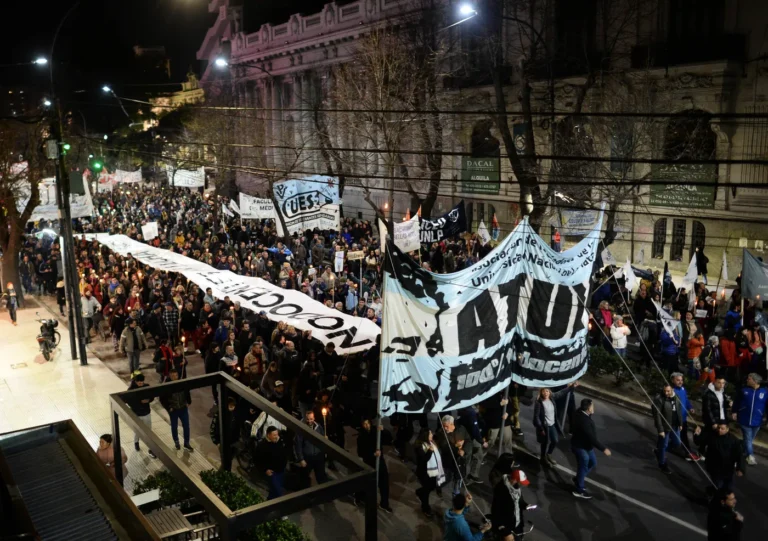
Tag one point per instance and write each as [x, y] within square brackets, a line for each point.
[136, 446]
[693, 457]
[583, 495]
[474, 479]
[386, 509]
[665, 469]
[551, 460]
[153, 455]
[188, 447]
[177, 445]
[517, 432]
[751, 460]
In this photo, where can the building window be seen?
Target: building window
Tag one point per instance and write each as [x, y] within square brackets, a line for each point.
[659, 238]
[678, 240]
[698, 236]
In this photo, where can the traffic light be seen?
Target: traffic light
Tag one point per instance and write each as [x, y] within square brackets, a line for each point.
[95, 164]
[65, 147]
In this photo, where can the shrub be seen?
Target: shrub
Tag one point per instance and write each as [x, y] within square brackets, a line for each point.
[234, 492]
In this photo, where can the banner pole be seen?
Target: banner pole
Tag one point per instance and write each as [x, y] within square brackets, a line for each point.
[717, 287]
[503, 420]
[379, 426]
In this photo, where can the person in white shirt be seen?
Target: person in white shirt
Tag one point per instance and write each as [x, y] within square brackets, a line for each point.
[619, 333]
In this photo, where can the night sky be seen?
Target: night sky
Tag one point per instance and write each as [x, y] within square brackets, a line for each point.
[95, 46]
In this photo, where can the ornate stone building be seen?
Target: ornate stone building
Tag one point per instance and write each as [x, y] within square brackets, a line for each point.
[705, 60]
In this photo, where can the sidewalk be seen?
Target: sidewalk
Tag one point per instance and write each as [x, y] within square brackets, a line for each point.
[35, 392]
[622, 396]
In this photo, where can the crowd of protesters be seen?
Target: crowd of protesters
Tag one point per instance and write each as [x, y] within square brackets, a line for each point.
[140, 308]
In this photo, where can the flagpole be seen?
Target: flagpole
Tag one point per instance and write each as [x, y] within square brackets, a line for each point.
[379, 426]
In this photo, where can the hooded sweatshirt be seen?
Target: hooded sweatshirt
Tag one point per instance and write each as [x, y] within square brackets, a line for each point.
[457, 529]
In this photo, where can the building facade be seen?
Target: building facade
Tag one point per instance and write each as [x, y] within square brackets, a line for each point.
[703, 63]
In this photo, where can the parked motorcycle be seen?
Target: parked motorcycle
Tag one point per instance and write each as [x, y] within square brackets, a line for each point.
[49, 337]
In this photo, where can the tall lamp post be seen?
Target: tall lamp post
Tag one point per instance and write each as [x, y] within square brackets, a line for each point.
[63, 190]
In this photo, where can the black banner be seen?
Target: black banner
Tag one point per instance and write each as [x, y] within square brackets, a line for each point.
[448, 225]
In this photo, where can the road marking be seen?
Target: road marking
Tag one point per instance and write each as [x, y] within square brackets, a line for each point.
[625, 497]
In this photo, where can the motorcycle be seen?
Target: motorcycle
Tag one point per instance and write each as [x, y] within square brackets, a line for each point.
[48, 338]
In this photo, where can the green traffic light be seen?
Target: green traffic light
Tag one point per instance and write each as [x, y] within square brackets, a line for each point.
[67, 146]
[97, 165]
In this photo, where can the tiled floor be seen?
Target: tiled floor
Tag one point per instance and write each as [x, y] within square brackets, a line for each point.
[35, 392]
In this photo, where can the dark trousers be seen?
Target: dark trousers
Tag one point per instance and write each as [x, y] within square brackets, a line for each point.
[314, 463]
[671, 362]
[12, 311]
[428, 484]
[276, 488]
[722, 480]
[183, 415]
[383, 483]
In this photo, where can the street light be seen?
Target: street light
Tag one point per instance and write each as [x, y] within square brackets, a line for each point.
[221, 62]
[465, 10]
[41, 61]
[47, 102]
[107, 88]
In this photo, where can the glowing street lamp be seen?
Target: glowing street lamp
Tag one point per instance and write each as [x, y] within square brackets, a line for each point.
[41, 61]
[465, 10]
[221, 62]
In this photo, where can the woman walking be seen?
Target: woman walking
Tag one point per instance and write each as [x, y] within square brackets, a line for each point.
[545, 420]
[429, 468]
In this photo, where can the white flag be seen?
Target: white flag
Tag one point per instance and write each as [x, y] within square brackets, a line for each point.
[630, 278]
[690, 275]
[225, 210]
[608, 258]
[724, 274]
[482, 234]
[234, 206]
[407, 235]
[149, 231]
[669, 323]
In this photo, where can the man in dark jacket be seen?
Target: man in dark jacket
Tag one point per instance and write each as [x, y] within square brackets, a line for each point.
[272, 457]
[714, 407]
[508, 506]
[669, 423]
[310, 457]
[368, 452]
[141, 408]
[471, 421]
[289, 366]
[583, 444]
[177, 406]
[724, 523]
[724, 456]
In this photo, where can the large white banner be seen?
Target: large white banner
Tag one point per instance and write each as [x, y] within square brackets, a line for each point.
[253, 208]
[408, 235]
[106, 180]
[452, 340]
[309, 203]
[185, 178]
[127, 177]
[350, 334]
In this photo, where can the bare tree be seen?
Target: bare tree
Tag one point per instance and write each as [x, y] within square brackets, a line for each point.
[535, 45]
[22, 167]
[396, 129]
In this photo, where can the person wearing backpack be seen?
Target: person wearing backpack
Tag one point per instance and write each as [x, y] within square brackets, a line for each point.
[709, 359]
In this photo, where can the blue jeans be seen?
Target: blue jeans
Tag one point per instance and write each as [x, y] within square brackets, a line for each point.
[750, 433]
[586, 461]
[621, 352]
[276, 488]
[182, 414]
[663, 444]
[549, 441]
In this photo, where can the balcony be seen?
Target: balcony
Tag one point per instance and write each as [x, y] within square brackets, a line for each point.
[691, 51]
